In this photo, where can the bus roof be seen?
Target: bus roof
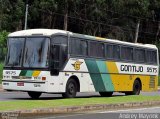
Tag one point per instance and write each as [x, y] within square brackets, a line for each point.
[49, 32]
[30, 32]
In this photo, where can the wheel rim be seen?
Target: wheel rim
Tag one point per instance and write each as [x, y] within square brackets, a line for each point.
[71, 89]
[137, 88]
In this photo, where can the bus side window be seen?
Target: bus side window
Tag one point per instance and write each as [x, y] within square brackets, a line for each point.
[139, 55]
[151, 57]
[127, 53]
[79, 47]
[116, 52]
[109, 51]
[55, 56]
[59, 50]
[97, 49]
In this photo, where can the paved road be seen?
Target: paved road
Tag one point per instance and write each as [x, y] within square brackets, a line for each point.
[24, 96]
[141, 113]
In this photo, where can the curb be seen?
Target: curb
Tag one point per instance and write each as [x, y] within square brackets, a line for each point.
[74, 109]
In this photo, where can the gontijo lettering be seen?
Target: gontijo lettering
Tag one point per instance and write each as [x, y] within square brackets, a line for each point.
[131, 68]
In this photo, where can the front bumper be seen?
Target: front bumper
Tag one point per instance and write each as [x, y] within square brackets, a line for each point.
[24, 85]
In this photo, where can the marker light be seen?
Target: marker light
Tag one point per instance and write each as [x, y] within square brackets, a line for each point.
[43, 78]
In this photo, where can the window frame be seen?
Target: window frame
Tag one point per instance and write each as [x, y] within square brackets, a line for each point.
[113, 44]
[153, 63]
[139, 48]
[105, 58]
[70, 47]
[94, 41]
[52, 38]
[124, 46]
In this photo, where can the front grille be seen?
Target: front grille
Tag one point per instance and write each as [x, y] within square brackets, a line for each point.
[21, 77]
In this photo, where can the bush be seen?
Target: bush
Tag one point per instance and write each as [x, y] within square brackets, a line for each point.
[1, 71]
[3, 44]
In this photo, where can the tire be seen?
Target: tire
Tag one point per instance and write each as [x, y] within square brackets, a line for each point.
[71, 89]
[34, 95]
[106, 94]
[136, 88]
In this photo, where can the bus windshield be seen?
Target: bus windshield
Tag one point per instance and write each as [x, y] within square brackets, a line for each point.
[15, 50]
[33, 51]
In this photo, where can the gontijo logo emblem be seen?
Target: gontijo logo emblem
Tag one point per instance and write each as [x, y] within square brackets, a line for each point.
[77, 65]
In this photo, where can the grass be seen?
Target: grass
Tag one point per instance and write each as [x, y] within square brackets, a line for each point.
[32, 104]
[159, 81]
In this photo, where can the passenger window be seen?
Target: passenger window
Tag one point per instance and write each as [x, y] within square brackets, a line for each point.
[79, 47]
[113, 51]
[109, 51]
[126, 53]
[151, 57]
[116, 52]
[59, 43]
[140, 55]
[97, 49]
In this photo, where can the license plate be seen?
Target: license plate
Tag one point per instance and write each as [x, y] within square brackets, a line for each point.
[20, 84]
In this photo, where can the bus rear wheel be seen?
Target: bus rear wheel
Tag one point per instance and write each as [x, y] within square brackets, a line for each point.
[34, 95]
[71, 89]
[106, 94]
[136, 88]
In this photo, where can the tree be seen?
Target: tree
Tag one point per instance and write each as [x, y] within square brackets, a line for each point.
[3, 43]
[139, 9]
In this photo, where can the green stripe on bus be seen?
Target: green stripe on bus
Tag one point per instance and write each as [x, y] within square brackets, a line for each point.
[23, 73]
[105, 77]
[29, 73]
[95, 75]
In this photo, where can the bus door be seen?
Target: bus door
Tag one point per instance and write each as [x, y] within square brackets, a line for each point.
[58, 57]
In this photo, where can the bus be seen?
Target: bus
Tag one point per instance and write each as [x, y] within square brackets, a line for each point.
[61, 62]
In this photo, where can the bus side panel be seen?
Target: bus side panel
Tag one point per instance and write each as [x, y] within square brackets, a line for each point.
[122, 82]
[84, 79]
[53, 84]
[149, 83]
[123, 78]
[77, 68]
[100, 76]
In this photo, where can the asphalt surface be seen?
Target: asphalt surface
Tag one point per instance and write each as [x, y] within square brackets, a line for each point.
[141, 113]
[4, 96]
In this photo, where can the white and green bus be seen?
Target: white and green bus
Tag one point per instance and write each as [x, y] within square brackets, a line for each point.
[56, 61]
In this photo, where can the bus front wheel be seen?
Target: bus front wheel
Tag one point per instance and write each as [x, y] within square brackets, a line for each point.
[34, 95]
[136, 88]
[106, 94]
[71, 89]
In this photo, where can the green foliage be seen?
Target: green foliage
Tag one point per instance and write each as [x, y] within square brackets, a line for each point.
[115, 19]
[1, 72]
[139, 8]
[3, 38]
[3, 44]
[12, 14]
